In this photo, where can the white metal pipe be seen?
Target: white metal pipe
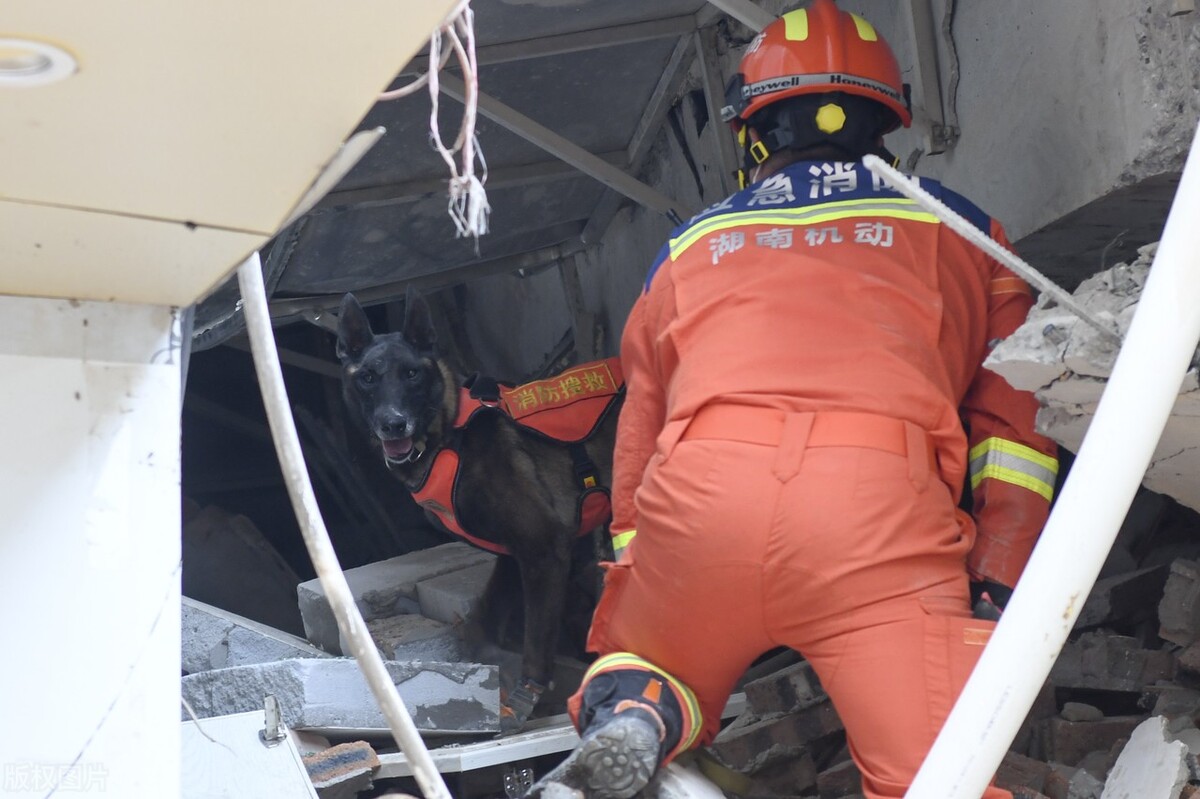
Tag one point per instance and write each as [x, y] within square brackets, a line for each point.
[316, 537]
[1099, 489]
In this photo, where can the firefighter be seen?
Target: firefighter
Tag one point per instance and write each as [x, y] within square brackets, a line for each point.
[806, 408]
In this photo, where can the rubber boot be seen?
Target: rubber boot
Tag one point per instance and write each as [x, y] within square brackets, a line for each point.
[613, 760]
[626, 737]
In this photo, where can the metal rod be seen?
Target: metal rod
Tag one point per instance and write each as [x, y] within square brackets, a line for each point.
[560, 147]
[910, 189]
[745, 12]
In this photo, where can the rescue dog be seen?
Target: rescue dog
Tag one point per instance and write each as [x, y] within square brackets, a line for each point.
[515, 491]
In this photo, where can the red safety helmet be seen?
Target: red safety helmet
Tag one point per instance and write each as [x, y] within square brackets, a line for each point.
[816, 50]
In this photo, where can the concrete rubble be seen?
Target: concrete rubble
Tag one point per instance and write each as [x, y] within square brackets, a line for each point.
[390, 588]
[214, 639]
[333, 694]
[1120, 707]
[232, 663]
[1066, 363]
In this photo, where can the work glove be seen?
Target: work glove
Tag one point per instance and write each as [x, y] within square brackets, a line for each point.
[988, 599]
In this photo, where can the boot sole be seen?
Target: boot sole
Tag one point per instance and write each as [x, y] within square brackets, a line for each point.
[615, 764]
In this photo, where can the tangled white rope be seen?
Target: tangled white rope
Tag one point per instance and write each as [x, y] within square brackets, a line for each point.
[468, 205]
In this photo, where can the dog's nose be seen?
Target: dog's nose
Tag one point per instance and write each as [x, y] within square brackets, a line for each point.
[393, 426]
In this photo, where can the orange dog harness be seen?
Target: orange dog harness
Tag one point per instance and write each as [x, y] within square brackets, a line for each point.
[566, 408]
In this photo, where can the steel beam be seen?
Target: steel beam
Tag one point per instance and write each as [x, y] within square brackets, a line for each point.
[745, 12]
[942, 134]
[714, 98]
[413, 190]
[566, 43]
[560, 147]
[314, 308]
[661, 99]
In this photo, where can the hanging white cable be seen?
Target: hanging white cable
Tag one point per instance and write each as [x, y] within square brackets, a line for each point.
[468, 204]
[316, 537]
[990, 246]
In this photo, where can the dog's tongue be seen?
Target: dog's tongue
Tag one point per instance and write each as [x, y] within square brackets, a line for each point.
[397, 447]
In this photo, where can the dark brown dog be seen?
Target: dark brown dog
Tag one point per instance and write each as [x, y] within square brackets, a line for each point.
[516, 491]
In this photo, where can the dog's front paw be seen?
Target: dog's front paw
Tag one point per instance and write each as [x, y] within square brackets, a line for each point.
[516, 705]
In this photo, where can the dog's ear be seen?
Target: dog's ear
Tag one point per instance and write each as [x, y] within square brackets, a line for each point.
[418, 322]
[353, 330]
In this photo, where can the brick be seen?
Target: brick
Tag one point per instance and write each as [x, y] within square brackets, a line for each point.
[1028, 793]
[1189, 659]
[1123, 598]
[1020, 771]
[331, 693]
[383, 589]
[1028, 739]
[757, 744]
[342, 771]
[1172, 701]
[1110, 663]
[1068, 742]
[792, 688]
[791, 776]
[844, 779]
[214, 639]
[1179, 608]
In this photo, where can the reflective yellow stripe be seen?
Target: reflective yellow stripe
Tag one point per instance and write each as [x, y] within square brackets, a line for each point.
[693, 720]
[621, 540]
[816, 214]
[865, 30]
[1017, 464]
[795, 25]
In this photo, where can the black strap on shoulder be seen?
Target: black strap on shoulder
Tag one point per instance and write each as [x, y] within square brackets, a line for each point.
[482, 387]
[586, 473]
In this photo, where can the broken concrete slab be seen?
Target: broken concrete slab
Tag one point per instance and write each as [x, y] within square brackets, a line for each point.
[415, 637]
[386, 588]
[1150, 766]
[215, 639]
[1083, 359]
[331, 693]
[450, 597]
[228, 563]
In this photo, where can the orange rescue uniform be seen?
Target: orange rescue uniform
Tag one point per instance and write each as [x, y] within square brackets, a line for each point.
[792, 455]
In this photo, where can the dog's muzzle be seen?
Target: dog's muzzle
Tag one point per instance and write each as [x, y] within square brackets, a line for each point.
[399, 451]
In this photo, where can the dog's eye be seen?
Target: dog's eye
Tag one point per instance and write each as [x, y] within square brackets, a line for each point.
[366, 377]
[412, 374]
